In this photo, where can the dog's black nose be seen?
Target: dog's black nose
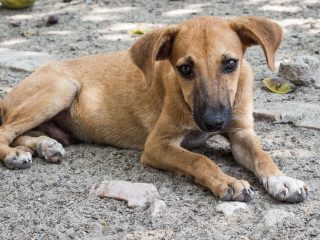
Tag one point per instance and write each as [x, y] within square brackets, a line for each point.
[213, 118]
[214, 122]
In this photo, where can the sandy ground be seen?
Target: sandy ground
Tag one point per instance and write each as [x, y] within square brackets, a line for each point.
[52, 201]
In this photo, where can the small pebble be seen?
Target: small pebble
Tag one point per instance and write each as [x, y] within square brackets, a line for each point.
[52, 19]
[227, 208]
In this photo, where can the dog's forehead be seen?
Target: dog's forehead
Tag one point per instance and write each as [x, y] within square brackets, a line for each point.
[210, 37]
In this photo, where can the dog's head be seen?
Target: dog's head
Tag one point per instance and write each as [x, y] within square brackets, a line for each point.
[206, 54]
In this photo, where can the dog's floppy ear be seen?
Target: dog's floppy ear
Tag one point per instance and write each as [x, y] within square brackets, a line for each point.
[259, 30]
[153, 46]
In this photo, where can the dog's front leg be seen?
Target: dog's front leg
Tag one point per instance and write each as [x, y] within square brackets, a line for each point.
[164, 152]
[247, 150]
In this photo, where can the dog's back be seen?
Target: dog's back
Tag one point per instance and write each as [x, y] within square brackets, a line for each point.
[114, 97]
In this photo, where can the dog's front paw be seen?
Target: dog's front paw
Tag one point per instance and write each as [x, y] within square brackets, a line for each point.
[50, 150]
[286, 189]
[18, 160]
[239, 190]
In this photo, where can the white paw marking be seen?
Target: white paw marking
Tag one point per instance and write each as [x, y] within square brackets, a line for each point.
[286, 188]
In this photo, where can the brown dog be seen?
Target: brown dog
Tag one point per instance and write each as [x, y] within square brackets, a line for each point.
[172, 90]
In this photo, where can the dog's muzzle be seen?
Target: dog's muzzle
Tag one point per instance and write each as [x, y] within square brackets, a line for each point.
[213, 119]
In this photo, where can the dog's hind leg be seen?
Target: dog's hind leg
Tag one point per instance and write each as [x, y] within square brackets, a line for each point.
[35, 100]
[45, 147]
[56, 133]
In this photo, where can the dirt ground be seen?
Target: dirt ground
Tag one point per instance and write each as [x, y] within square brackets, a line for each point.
[52, 201]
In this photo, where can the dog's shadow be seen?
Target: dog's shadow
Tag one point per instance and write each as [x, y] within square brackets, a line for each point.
[217, 149]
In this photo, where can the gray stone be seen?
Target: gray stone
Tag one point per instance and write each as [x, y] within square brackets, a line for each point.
[301, 114]
[227, 208]
[136, 194]
[23, 60]
[266, 116]
[275, 216]
[302, 70]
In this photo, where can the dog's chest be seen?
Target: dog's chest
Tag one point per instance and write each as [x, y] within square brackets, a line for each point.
[196, 138]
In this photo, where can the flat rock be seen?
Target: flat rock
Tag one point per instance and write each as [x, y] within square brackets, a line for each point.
[301, 70]
[227, 208]
[262, 115]
[301, 114]
[23, 60]
[274, 216]
[136, 194]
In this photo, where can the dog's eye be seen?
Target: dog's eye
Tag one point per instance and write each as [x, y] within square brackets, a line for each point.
[230, 65]
[186, 70]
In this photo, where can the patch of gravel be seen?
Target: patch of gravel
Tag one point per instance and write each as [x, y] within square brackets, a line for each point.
[52, 201]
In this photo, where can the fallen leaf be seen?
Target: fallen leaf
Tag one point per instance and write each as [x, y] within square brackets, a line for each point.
[278, 85]
[17, 4]
[137, 31]
[27, 34]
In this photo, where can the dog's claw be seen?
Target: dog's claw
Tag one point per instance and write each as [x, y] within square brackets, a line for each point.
[286, 189]
[249, 194]
[244, 194]
[19, 160]
[281, 196]
[50, 150]
[228, 194]
[297, 197]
